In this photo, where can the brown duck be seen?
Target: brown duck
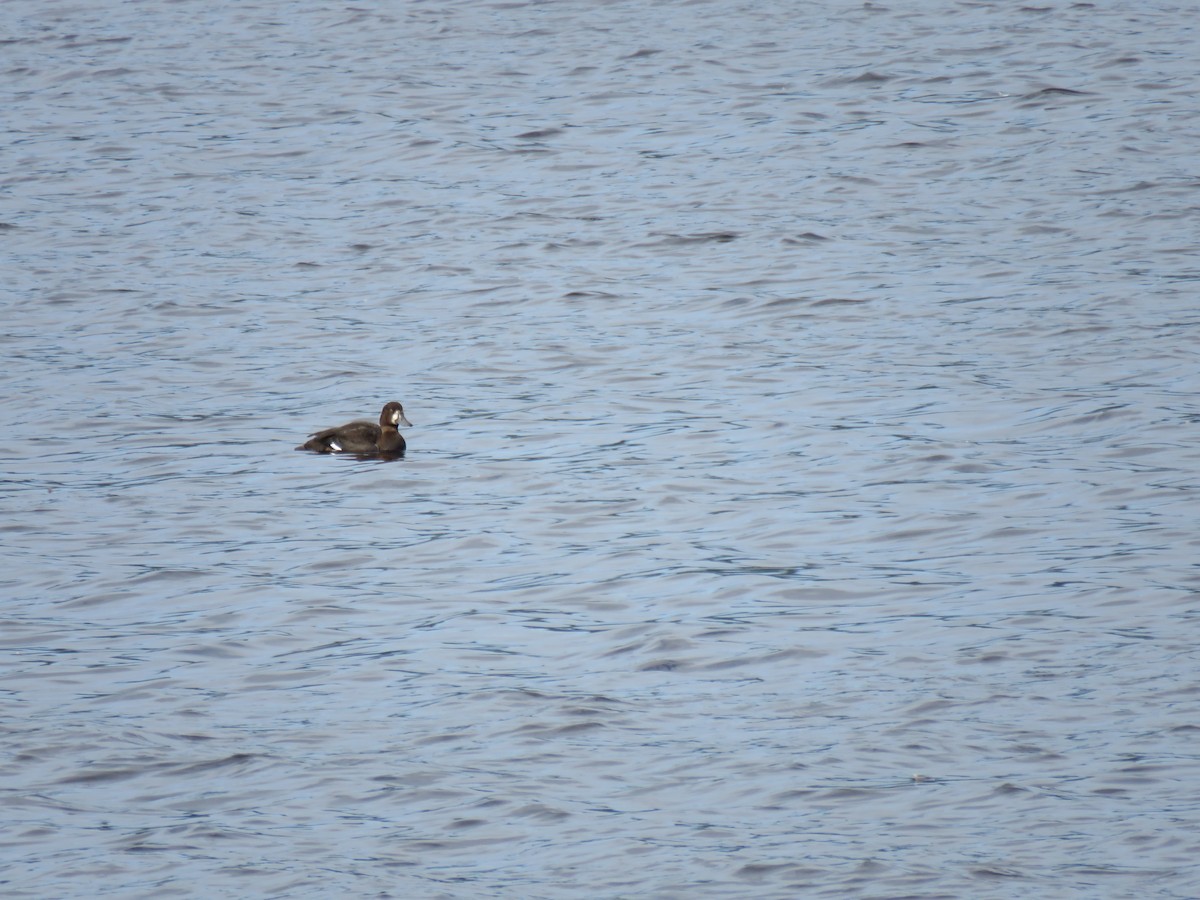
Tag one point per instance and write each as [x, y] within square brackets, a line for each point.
[362, 438]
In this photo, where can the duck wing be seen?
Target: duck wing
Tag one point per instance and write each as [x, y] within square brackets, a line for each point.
[353, 437]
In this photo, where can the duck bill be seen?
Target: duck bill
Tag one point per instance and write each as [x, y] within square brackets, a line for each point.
[404, 421]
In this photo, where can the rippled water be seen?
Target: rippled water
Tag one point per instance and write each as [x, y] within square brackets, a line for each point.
[802, 493]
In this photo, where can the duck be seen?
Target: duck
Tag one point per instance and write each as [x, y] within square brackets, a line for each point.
[363, 438]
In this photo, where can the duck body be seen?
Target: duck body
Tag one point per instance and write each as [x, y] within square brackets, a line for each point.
[363, 438]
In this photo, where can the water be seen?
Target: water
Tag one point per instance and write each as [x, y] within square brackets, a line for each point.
[801, 498]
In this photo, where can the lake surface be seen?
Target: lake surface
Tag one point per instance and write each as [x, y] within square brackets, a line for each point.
[802, 493]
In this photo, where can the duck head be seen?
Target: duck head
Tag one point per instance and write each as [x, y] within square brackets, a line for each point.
[393, 415]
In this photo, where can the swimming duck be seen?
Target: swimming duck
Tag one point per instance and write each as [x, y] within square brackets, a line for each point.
[364, 438]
